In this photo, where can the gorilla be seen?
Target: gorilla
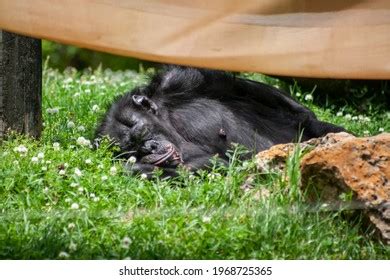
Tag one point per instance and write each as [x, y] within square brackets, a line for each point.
[185, 116]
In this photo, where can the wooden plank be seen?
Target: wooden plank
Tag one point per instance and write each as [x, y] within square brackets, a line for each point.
[325, 39]
[20, 84]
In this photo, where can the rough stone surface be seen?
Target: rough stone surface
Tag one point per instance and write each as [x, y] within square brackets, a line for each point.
[358, 164]
[342, 164]
[274, 159]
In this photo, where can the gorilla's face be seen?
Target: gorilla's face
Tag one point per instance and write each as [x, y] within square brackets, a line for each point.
[141, 129]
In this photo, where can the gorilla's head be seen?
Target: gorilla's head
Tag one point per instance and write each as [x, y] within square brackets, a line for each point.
[141, 128]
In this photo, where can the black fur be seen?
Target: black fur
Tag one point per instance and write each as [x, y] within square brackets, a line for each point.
[187, 115]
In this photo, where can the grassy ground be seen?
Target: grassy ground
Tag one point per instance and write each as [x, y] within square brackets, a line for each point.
[61, 199]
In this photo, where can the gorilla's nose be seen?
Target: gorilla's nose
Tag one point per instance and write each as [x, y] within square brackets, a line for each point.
[152, 147]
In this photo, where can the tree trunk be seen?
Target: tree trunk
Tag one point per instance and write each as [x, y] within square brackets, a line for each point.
[20, 84]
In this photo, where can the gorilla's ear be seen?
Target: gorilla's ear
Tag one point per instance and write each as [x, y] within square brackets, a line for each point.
[144, 102]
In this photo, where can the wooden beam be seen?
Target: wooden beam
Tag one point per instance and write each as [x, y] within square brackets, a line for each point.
[303, 38]
[20, 84]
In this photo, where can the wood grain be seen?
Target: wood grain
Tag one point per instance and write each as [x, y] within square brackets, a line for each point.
[331, 39]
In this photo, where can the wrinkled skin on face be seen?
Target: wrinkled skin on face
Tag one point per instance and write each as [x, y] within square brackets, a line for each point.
[140, 129]
[185, 116]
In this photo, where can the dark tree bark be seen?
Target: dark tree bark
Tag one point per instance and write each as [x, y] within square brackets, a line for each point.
[20, 84]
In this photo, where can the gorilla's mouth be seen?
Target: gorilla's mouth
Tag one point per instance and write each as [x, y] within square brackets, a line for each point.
[169, 157]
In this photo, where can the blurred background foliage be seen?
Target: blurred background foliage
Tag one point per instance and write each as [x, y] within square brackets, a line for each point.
[363, 95]
[62, 56]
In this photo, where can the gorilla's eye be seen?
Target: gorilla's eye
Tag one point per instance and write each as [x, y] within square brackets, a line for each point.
[127, 121]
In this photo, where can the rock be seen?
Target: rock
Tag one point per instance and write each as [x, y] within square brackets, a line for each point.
[357, 165]
[274, 159]
[341, 164]
[382, 224]
[361, 165]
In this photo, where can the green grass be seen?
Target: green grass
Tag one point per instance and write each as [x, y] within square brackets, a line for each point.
[69, 201]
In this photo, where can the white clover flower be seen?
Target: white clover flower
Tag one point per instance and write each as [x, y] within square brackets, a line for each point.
[34, 160]
[56, 146]
[80, 189]
[126, 241]
[40, 155]
[298, 94]
[339, 114]
[77, 94]
[96, 199]
[72, 246]
[68, 80]
[132, 159]
[44, 168]
[73, 184]
[48, 162]
[309, 97]
[15, 162]
[78, 172]
[87, 91]
[95, 108]
[74, 206]
[144, 176]
[366, 119]
[88, 161]
[21, 149]
[70, 124]
[366, 132]
[361, 117]
[68, 200]
[62, 172]
[113, 170]
[52, 111]
[81, 128]
[67, 86]
[66, 165]
[100, 166]
[348, 116]
[324, 205]
[80, 141]
[92, 195]
[46, 190]
[71, 226]
[381, 129]
[83, 142]
[104, 178]
[213, 176]
[63, 255]
[206, 219]
[246, 164]
[43, 124]
[355, 118]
